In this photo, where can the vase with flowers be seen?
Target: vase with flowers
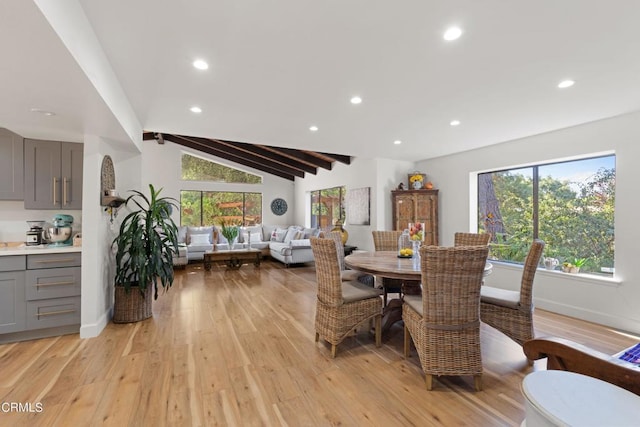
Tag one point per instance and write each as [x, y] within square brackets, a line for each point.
[416, 235]
[416, 180]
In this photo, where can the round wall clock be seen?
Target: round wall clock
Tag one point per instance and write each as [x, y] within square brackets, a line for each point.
[279, 206]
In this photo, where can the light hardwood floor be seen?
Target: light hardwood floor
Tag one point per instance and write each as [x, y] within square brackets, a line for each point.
[237, 348]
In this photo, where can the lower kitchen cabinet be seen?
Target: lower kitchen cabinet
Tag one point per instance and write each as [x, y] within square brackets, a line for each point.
[13, 305]
[39, 296]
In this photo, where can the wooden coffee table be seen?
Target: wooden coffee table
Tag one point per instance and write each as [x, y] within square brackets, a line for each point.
[233, 258]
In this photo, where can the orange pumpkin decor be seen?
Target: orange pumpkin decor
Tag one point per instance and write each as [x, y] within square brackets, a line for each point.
[429, 185]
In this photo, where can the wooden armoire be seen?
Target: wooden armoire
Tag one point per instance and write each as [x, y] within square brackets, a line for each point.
[416, 206]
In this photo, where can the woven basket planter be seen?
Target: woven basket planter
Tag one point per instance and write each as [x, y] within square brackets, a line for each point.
[132, 306]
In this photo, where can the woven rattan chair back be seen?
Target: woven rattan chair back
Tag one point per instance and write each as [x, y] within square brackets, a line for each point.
[451, 279]
[471, 239]
[529, 272]
[327, 271]
[516, 323]
[337, 238]
[335, 318]
[447, 332]
[385, 240]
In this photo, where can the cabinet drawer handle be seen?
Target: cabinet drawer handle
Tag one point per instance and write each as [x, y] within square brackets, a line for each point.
[48, 261]
[53, 284]
[53, 313]
[64, 191]
[55, 185]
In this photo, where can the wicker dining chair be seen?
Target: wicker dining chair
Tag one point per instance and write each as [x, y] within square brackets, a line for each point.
[388, 241]
[511, 312]
[347, 275]
[471, 239]
[444, 322]
[341, 306]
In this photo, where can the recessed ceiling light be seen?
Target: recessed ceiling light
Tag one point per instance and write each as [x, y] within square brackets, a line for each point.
[454, 122]
[43, 112]
[452, 33]
[313, 128]
[196, 109]
[356, 100]
[200, 64]
[397, 142]
[565, 84]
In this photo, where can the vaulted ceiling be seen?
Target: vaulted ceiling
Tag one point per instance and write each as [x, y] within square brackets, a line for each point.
[286, 163]
[282, 73]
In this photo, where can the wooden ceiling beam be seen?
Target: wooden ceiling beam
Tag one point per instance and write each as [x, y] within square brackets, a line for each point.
[260, 151]
[205, 145]
[235, 151]
[301, 156]
[287, 163]
[331, 157]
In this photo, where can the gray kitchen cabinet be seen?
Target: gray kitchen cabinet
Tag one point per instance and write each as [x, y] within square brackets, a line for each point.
[53, 290]
[13, 304]
[52, 174]
[39, 295]
[11, 165]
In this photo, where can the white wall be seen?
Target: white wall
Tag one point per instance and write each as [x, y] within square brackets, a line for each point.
[98, 268]
[381, 175]
[14, 217]
[161, 166]
[605, 302]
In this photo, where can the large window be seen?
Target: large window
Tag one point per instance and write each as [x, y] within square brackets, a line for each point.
[327, 207]
[210, 207]
[198, 169]
[569, 205]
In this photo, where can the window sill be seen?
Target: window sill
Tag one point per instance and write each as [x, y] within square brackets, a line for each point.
[557, 274]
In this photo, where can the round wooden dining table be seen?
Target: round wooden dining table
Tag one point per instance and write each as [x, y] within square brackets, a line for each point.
[388, 264]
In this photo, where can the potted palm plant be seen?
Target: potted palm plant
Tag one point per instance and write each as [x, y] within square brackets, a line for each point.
[145, 247]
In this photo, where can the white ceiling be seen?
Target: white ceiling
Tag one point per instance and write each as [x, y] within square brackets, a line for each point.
[278, 67]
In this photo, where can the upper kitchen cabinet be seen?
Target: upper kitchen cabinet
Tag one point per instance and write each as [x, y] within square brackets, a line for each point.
[52, 174]
[11, 165]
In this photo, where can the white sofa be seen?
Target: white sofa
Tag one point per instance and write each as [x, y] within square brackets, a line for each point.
[287, 244]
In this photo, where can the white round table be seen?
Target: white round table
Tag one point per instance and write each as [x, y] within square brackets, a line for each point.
[560, 398]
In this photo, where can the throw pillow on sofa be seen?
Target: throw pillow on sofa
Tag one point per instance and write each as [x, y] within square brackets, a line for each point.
[200, 239]
[251, 237]
[292, 231]
[278, 235]
[192, 231]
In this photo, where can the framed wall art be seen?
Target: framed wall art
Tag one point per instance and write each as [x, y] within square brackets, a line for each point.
[359, 206]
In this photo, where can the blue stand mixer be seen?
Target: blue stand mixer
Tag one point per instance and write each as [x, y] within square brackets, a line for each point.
[59, 233]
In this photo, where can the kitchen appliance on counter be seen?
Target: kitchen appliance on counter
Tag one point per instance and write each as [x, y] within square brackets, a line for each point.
[59, 233]
[34, 235]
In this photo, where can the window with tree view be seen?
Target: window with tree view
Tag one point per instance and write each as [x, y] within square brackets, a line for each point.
[212, 207]
[327, 207]
[198, 169]
[569, 205]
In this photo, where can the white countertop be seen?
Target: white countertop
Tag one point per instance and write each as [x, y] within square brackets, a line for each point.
[40, 249]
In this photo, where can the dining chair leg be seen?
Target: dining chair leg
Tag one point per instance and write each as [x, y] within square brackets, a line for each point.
[428, 380]
[407, 341]
[334, 350]
[317, 337]
[378, 330]
[477, 381]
